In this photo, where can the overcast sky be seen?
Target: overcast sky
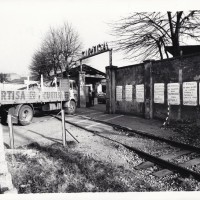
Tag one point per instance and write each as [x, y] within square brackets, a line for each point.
[25, 23]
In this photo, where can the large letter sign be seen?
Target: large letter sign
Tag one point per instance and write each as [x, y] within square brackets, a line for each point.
[173, 93]
[30, 96]
[140, 93]
[190, 93]
[159, 89]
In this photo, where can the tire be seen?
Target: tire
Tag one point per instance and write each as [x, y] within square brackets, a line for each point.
[72, 107]
[3, 117]
[25, 115]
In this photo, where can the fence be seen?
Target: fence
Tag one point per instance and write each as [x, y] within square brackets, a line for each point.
[64, 130]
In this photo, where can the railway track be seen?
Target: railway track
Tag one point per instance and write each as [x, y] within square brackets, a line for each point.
[168, 162]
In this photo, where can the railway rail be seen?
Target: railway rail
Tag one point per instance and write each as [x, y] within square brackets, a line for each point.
[167, 162]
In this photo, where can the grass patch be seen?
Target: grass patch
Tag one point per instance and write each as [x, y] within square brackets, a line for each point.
[55, 169]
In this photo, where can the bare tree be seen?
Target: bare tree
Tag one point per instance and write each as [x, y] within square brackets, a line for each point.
[59, 51]
[69, 45]
[146, 34]
[40, 65]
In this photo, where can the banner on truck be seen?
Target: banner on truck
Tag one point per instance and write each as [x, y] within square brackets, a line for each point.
[30, 96]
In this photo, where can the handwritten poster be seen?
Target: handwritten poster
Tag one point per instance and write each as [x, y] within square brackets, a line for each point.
[128, 92]
[159, 89]
[190, 93]
[140, 93]
[118, 93]
[173, 93]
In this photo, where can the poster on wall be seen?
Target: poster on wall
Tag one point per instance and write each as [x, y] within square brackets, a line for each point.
[159, 95]
[118, 93]
[140, 93]
[173, 93]
[128, 92]
[190, 93]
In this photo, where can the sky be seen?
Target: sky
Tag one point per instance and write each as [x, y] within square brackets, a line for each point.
[25, 23]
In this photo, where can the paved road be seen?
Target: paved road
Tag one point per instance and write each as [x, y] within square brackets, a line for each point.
[47, 131]
[51, 130]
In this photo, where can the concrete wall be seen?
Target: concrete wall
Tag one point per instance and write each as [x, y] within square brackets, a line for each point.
[131, 75]
[174, 70]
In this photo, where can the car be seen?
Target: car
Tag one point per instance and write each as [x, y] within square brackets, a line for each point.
[101, 96]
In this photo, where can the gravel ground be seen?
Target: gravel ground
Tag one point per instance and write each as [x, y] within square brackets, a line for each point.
[108, 151]
[188, 133]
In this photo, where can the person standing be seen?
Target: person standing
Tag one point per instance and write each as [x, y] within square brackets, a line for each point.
[90, 97]
[93, 96]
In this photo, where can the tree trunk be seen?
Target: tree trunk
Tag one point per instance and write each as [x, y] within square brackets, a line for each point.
[176, 47]
[175, 33]
[160, 51]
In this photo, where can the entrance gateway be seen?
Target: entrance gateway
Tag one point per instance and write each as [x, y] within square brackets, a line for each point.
[95, 50]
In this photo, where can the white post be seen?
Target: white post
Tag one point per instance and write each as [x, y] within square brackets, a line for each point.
[63, 128]
[56, 83]
[11, 131]
[27, 82]
[42, 82]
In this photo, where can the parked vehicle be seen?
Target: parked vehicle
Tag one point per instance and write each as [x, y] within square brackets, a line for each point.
[23, 103]
[101, 97]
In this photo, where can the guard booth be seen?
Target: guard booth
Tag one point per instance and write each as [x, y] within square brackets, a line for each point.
[89, 79]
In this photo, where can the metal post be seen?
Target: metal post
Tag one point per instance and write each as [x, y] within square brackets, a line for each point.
[42, 82]
[63, 127]
[151, 93]
[28, 79]
[110, 57]
[81, 66]
[11, 131]
[180, 79]
[56, 83]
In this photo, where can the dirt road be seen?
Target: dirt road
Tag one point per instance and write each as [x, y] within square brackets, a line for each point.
[44, 129]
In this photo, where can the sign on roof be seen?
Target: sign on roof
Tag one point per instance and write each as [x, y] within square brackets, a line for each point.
[100, 48]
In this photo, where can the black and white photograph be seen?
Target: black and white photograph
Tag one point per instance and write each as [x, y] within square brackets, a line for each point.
[99, 99]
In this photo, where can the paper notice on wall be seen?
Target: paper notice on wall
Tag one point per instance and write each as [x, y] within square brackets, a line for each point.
[140, 93]
[159, 89]
[173, 93]
[128, 92]
[190, 93]
[199, 93]
[118, 93]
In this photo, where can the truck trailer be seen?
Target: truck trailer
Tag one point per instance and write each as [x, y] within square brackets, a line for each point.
[23, 103]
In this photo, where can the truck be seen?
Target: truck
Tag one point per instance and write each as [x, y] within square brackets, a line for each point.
[23, 103]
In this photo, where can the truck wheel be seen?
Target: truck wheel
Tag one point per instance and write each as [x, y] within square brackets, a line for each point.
[72, 107]
[25, 115]
[3, 117]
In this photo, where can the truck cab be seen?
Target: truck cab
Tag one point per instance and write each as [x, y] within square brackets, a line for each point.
[68, 85]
